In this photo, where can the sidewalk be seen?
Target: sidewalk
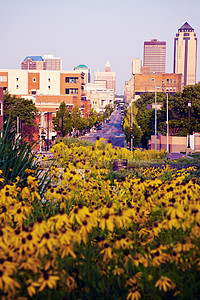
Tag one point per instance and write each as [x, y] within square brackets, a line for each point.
[177, 155]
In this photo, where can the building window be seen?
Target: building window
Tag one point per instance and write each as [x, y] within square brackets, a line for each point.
[17, 79]
[49, 79]
[71, 79]
[17, 86]
[167, 89]
[71, 91]
[167, 80]
[49, 87]
[34, 79]
[33, 92]
[174, 89]
[170, 80]
[163, 81]
[170, 89]
[3, 78]
[175, 81]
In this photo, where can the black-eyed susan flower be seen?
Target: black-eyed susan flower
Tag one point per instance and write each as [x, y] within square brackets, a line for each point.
[164, 283]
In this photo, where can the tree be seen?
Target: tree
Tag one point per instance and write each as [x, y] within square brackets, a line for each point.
[178, 113]
[76, 118]
[22, 108]
[63, 120]
[22, 114]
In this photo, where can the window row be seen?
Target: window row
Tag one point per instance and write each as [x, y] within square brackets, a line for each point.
[170, 89]
[169, 81]
[3, 78]
[71, 79]
[71, 91]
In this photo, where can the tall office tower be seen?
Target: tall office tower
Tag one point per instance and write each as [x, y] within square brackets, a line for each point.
[185, 54]
[155, 55]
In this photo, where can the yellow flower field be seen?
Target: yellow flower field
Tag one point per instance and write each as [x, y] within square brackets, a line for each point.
[96, 236]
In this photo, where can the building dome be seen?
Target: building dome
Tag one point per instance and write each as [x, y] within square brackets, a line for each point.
[81, 67]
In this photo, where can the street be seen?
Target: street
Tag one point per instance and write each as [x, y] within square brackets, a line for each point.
[111, 131]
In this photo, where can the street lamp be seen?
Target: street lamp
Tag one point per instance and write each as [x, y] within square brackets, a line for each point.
[189, 105]
[131, 129]
[155, 114]
[167, 124]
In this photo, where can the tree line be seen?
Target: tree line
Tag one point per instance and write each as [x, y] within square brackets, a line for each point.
[144, 118]
[22, 114]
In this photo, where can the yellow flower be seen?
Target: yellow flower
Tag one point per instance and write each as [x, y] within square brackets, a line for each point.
[31, 285]
[47, 279]
[133, 294]
[165, 283]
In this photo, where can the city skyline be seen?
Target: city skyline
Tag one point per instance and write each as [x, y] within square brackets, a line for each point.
[92, 32]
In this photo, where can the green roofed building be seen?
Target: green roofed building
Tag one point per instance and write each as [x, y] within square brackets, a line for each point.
[83, 68]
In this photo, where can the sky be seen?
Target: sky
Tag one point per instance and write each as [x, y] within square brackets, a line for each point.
[91, 32]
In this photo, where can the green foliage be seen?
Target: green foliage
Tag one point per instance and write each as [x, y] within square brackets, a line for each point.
[178, 113]
[18, 107]
[63, 120]
[16, 157]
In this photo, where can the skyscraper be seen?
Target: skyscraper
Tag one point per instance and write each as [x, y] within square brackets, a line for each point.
[155, 55]
[185, 54]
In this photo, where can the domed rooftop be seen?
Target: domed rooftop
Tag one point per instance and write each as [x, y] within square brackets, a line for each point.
[81, 67]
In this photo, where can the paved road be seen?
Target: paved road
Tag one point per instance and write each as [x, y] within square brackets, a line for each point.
[111, 131]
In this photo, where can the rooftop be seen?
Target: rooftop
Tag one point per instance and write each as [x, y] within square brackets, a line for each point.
[186, 26]
[81, 67]
[34, 58]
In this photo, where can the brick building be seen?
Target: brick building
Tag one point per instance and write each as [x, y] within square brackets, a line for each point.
[47, 89]
[166, 82]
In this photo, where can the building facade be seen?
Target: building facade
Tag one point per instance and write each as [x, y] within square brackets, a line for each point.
[99, 96]
[52, 63]
[166, 83]
[87, 72]
[129, 89]
[44, 86]
[155, 55]
[185, 54]
[46, 62]
[136, 65]
[108, 76]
